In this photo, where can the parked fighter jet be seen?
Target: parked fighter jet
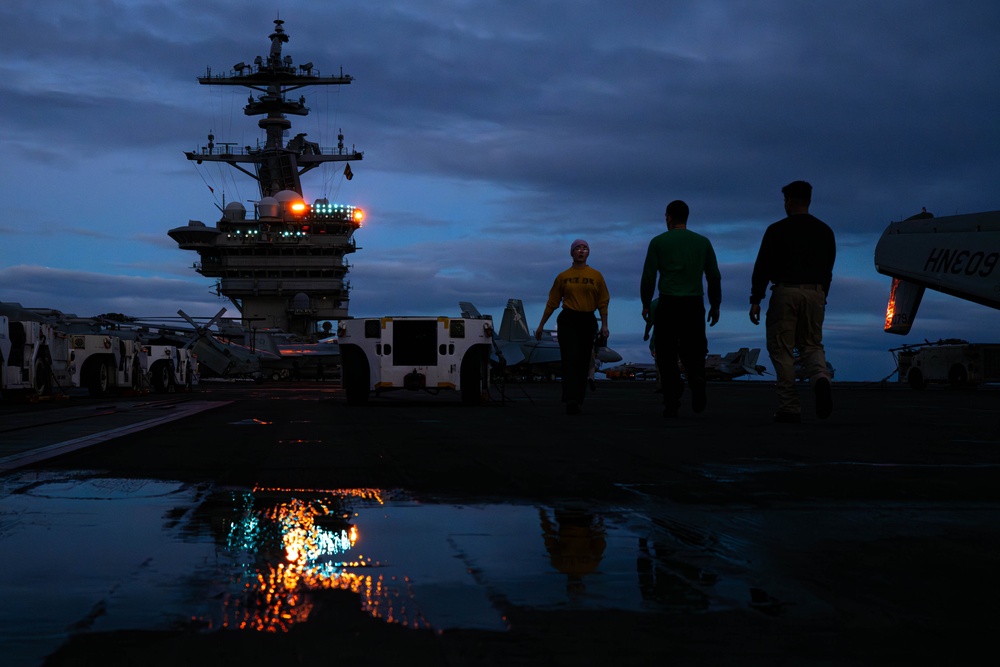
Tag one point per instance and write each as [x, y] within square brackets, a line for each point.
[515, 346]
[234, 350]
[717, 367]
[733, 365]
[631, 371]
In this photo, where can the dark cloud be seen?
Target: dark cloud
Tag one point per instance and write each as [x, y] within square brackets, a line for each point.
[87, 294]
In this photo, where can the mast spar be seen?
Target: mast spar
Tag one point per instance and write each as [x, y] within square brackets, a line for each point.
[276, 165]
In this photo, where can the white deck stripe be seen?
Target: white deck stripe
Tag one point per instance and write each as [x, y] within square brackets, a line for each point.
[59, 448]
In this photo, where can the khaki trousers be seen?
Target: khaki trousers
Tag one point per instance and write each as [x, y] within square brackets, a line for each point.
[795, 321]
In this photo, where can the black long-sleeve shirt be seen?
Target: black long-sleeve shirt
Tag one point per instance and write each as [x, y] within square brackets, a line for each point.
[799, 249]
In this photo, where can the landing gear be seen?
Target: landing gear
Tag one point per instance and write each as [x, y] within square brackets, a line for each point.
[135, 379]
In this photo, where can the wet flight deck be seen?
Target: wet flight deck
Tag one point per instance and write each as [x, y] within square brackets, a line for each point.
[251, 520]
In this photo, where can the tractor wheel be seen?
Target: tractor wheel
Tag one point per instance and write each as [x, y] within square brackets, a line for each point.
[472, 373]
[163, 377]
[99, 377]
[357, 375]
[42, 383]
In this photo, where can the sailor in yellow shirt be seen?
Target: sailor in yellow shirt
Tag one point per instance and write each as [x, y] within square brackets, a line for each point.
[581, 290]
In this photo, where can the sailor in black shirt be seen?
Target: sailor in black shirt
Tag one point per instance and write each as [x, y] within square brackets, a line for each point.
[796, 257]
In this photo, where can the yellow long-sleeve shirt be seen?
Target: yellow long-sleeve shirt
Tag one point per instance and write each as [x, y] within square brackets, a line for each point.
[581, 289]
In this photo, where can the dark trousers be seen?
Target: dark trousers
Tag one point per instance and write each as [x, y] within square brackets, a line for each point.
[576, 349]
[679, 334]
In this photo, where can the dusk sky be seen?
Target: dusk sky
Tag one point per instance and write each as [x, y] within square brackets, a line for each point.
[494, 133]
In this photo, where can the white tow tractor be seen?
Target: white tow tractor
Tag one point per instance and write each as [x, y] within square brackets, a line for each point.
[104, 362]
[168, 367]
[32, 357]
[430, 354]
[954, 362]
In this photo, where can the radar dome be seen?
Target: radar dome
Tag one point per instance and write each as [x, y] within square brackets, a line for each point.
[268, 207]
[291, 203]
[235, 212]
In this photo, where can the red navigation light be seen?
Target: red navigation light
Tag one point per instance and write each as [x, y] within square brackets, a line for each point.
[358, 216]
[298, 208]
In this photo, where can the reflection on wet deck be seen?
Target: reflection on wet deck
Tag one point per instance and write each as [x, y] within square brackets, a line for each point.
[286, 544]
[85, 553]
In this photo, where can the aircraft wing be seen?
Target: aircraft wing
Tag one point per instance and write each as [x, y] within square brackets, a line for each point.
[469, 310]
[544, 352]
[512, 353]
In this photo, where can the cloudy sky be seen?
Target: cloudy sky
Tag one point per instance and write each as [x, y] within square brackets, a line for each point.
[494, 133]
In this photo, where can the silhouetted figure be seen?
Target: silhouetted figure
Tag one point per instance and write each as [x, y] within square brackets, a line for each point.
[680, 257]
[581, 290]
[796, 258]
[676, 586]
[575, 540]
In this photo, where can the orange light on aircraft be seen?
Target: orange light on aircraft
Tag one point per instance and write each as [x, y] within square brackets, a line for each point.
[890, 310]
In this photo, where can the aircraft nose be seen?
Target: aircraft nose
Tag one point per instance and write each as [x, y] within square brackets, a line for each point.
[606, 354]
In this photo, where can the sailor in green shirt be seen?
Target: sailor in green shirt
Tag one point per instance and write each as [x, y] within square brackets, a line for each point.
[680, 258]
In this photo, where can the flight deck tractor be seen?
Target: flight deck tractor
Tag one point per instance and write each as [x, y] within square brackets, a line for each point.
[32, 358]
[169, 367]
[953, 362]
[105, 362]
[431, 354]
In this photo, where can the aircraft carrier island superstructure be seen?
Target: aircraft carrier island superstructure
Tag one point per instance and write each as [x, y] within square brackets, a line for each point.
[281, 264]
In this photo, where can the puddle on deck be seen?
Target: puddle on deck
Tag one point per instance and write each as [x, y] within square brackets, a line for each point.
[79, 553]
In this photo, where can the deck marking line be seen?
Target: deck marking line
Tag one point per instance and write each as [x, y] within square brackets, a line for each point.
[59, 448]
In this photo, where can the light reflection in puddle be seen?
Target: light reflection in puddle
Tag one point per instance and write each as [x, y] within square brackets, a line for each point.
[84, 553]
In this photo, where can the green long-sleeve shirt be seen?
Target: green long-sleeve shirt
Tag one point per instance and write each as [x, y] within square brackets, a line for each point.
[680, 257]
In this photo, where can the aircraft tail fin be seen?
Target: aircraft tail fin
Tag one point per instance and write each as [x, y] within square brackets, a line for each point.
[469, 311]
[514, 326]
[750, 362]
[904, 300]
